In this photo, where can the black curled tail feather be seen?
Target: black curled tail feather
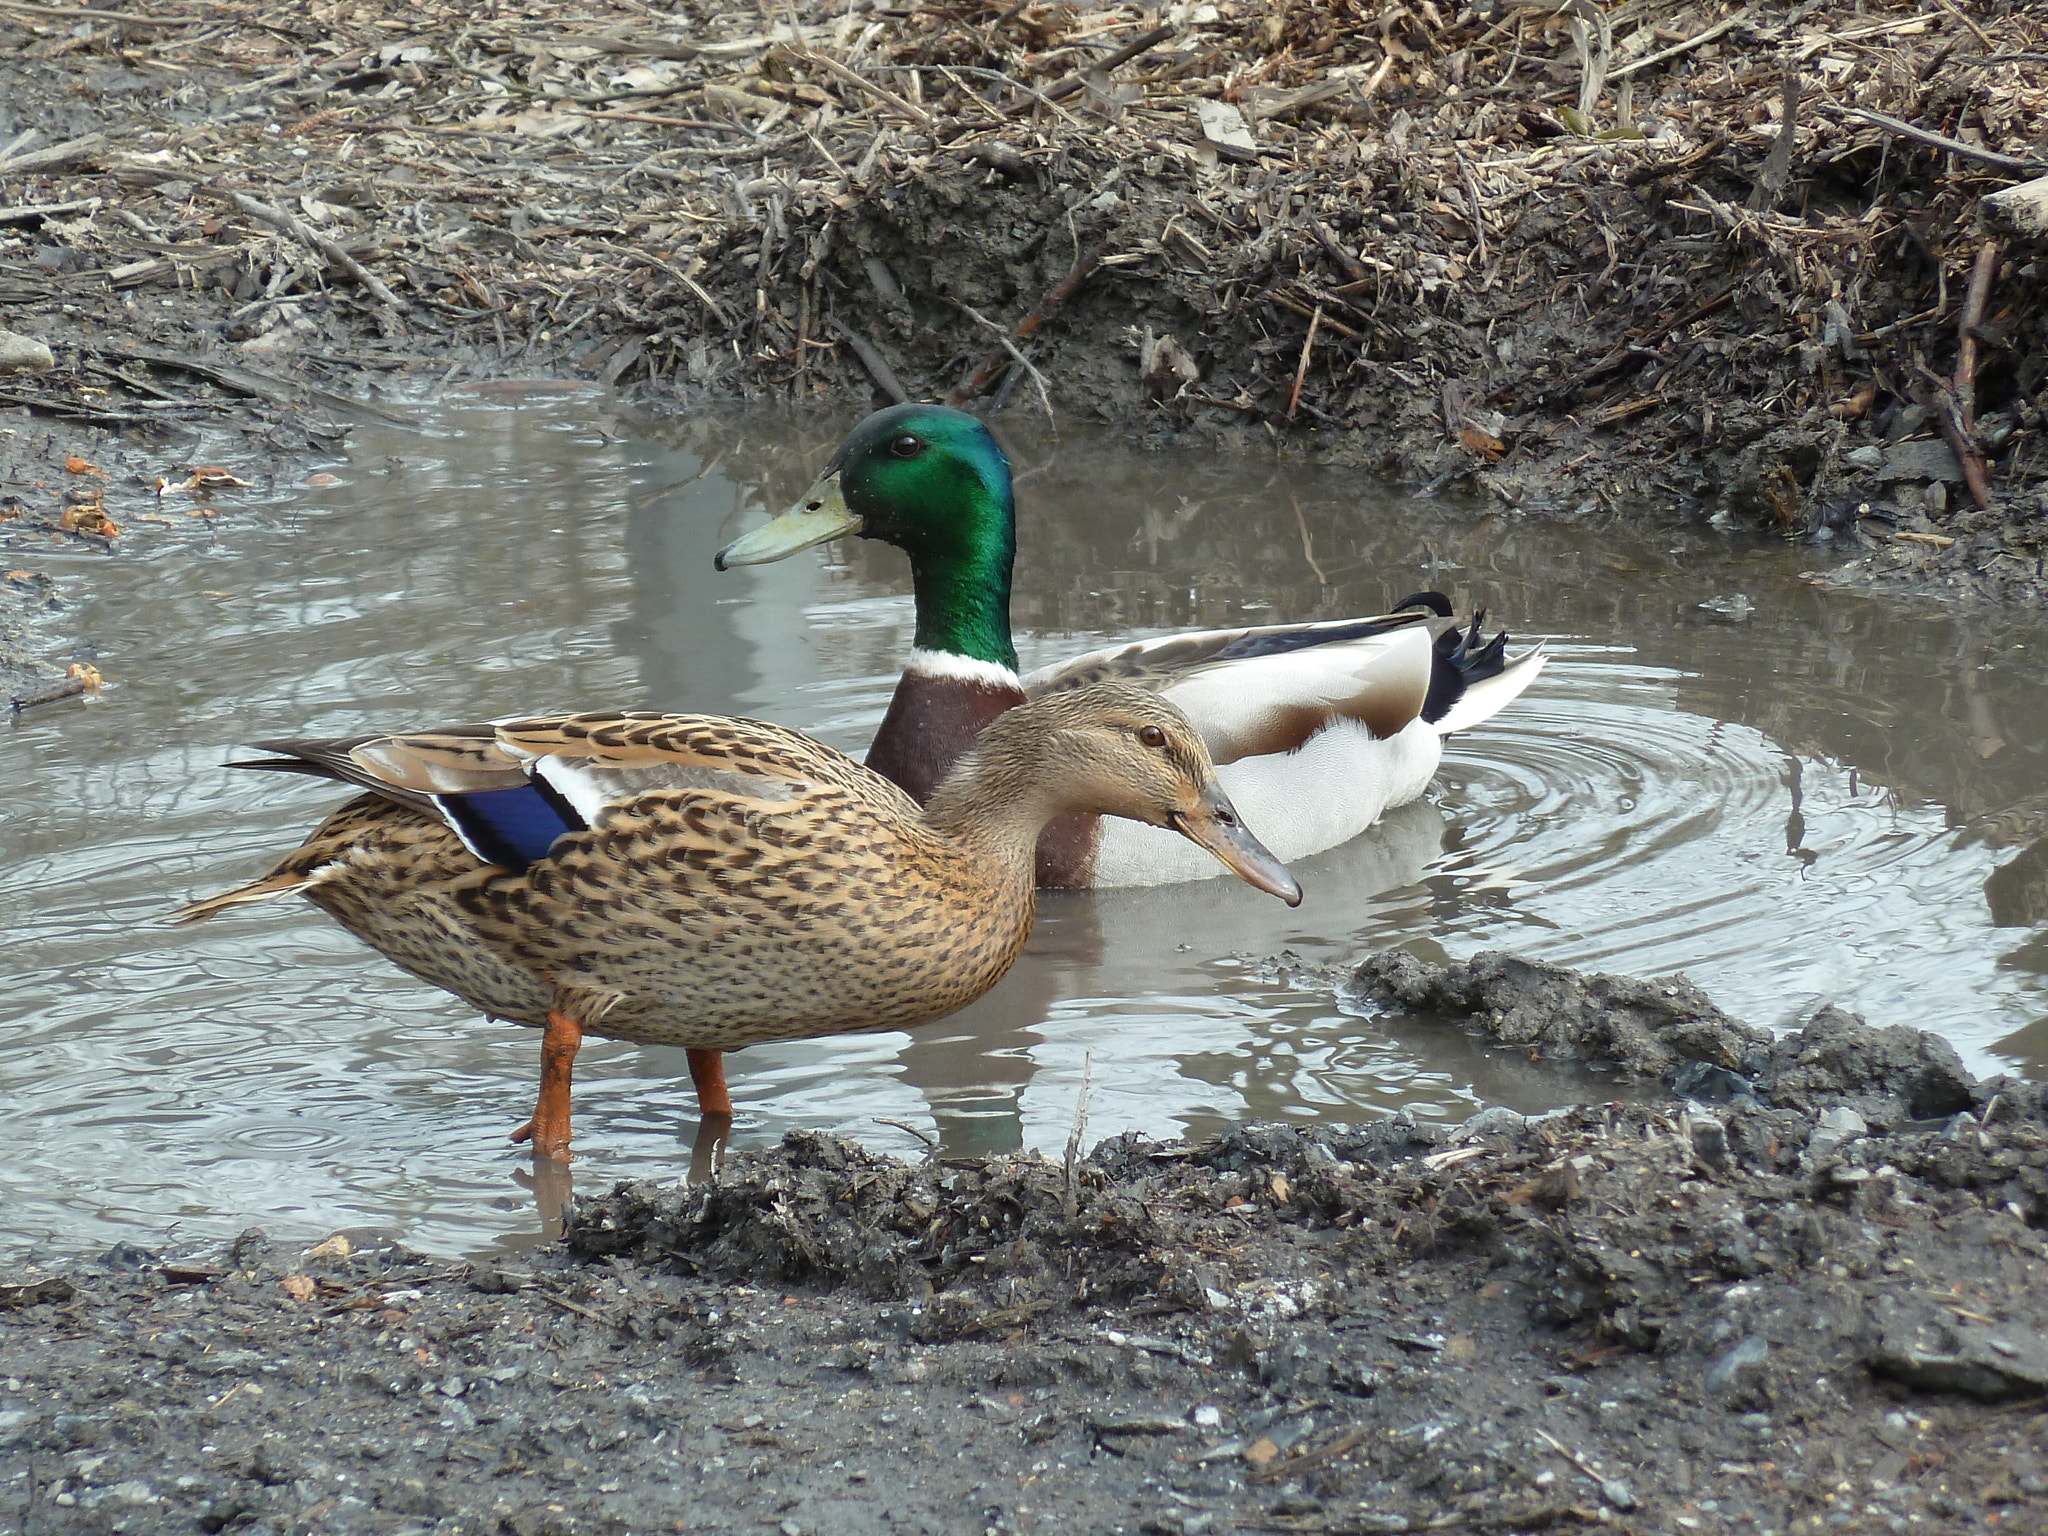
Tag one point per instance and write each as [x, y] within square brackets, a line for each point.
[1462, 658]
[1435, 602]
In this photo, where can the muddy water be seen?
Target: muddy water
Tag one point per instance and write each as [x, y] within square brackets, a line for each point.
[1823, 799]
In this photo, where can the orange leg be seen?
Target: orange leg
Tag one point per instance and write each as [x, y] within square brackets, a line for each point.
[707, 1071]
[548, 1130]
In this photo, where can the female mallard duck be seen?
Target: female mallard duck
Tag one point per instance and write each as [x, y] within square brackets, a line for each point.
[713, 883]
[1316, 729]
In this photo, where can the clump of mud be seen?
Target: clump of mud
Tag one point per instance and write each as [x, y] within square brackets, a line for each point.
[1770, 1312]
[1668, 1031]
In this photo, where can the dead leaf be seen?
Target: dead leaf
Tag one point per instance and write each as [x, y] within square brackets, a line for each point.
[1781, 489]
[298, 1287]
[1262, 1452]
[1281, 1191]
[202, 512]
[1485, 444]
[336, 1247]
[89, 519]
[210, 476]
[322, 478]
[74, 465]
[87, 676]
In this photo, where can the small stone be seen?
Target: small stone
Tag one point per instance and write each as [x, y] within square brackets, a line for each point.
[1225, 129]
[1495, 1120]
[24, 354]
[1906, 421]
[1834, 1127]
[1208, 1416]
[1710, 1142]
[1262, 1452]
[1741, 1363]
[1921, 459]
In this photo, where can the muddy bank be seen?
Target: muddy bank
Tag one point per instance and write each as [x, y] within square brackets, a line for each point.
[1790, 1310]
[1711, 262]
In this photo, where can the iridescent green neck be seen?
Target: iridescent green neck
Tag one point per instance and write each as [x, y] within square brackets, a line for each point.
[963, 601]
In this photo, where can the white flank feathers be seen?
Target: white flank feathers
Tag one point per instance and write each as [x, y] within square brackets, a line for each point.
[1296, 803]
[1231, 702]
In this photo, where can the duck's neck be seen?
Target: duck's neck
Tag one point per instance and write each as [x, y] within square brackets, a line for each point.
[962, 671]
[963, 601]
[998, 801]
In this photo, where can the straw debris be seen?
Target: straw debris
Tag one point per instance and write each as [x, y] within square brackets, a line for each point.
[1580, 257]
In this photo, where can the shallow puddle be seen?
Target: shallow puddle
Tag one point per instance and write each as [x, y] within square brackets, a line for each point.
[1827, 799]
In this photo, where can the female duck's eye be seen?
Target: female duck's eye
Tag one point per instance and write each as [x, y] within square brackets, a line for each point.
[1152, 736]
[906, 446]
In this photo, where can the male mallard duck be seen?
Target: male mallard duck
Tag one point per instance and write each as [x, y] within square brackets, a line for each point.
[1316, 729]
[713, 883]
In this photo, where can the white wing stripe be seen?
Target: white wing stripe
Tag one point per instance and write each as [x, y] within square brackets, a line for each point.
[591, 788]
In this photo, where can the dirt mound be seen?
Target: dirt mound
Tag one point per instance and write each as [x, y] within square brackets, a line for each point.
[1667, 1030]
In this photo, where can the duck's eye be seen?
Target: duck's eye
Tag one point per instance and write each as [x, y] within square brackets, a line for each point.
[1152, 736]
[907, 446]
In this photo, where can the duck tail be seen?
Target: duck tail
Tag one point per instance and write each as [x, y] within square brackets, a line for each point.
[1481, 697]
[279, 882]
[1471, 678]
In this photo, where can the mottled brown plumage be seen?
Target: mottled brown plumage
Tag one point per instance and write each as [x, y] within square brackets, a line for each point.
[735, 882]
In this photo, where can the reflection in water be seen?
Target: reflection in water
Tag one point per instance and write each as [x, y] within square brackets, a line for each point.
[1834, 799]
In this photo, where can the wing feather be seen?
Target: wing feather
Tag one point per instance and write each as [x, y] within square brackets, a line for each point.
[510, 790]
[1256, 691]
[1488, 696]
[1154, 663]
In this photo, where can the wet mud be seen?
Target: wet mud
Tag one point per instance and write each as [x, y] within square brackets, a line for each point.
[1806, 1297]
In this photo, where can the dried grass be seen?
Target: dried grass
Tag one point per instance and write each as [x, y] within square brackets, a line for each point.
[1566, 251]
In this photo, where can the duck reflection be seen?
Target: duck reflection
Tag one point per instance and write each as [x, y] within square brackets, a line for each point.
[974, 1068]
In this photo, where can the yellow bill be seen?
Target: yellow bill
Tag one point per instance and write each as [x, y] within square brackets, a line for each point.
[822, 514]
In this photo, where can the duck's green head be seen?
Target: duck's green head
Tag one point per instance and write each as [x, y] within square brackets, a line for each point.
[931, 481]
